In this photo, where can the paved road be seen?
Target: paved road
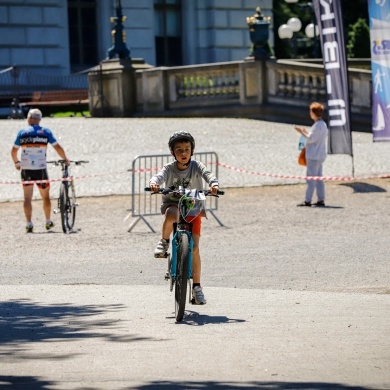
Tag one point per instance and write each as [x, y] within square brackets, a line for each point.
[297, 298]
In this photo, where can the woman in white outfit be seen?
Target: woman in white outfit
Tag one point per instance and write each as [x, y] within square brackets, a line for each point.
[315, 154]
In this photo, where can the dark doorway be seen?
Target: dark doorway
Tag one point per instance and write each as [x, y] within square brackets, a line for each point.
[168, 32]
[82, 34]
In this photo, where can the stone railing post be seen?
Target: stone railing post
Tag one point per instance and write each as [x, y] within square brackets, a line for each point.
[154, 90]
[253, 82]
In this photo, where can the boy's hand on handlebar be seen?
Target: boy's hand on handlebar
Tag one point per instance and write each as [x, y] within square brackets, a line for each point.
[214, 190]
[154, 187]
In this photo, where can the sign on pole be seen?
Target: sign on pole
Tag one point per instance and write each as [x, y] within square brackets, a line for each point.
[330, 22]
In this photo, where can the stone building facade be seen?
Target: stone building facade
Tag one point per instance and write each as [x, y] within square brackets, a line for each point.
[61, 37]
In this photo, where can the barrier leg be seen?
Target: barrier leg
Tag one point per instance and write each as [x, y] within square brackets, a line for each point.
[215, 216]
[137, 220]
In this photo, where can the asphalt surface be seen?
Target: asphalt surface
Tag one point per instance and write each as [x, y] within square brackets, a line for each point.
[298, 298]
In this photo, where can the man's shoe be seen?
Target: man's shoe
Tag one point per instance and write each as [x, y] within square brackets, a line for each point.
[304, 204]
[320, 203]
[49, 225]
[29, 228]
[161, 249]
[198, 296]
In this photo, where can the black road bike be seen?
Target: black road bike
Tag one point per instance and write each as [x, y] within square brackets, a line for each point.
[67, 201]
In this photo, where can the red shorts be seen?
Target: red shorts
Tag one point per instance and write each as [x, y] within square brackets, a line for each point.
[196, 223]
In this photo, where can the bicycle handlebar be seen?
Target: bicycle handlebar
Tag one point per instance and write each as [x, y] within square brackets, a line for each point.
[58, 162]
[170, 190]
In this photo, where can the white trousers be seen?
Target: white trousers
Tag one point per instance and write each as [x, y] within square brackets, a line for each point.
[314, 168]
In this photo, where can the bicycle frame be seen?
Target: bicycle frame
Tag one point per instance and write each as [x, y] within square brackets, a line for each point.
[174, 253]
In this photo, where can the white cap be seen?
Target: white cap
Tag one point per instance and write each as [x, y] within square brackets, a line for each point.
[35, 114]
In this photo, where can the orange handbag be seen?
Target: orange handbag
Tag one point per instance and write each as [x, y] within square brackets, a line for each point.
[302, 157]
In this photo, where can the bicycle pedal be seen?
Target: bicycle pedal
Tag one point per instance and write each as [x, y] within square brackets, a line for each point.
[56, 211]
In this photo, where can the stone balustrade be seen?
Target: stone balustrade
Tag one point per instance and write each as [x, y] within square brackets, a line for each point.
[243, 84]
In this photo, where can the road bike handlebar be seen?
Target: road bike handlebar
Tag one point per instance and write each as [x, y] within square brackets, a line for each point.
[171, 190]
[60, 162]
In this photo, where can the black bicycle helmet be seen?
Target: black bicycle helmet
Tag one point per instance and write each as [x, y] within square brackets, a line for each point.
[181, 136]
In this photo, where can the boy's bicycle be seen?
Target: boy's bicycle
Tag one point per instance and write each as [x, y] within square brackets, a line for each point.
[67, 198]
[180, 259]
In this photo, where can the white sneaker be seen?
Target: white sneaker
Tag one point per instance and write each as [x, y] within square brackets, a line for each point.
[161, 249]
[198, 296]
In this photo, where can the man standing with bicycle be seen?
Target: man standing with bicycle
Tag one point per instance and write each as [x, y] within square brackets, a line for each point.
[34, 140]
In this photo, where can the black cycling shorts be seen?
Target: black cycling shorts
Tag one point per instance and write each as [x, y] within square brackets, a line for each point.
[35, 174]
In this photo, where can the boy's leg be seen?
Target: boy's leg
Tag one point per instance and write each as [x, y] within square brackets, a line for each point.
[171, 216]
[197, 292]
[196, 263]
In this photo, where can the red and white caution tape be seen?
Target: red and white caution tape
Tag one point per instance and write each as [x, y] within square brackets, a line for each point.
[256, 173]
[324, 178]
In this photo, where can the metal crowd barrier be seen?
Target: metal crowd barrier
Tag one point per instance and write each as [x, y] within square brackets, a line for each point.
[144, 167]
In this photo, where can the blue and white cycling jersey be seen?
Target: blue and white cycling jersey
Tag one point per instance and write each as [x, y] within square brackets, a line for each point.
[33, 140]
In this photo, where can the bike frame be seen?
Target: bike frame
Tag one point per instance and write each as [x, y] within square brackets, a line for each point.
[174, 252]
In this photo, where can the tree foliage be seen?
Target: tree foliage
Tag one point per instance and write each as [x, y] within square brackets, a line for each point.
[355, 12]
[358, 45]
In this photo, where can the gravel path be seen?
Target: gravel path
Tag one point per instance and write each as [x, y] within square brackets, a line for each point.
[111, 145]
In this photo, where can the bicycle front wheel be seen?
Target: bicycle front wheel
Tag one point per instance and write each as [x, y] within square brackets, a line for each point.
[181, 276]
[71, 206]
[67, 202]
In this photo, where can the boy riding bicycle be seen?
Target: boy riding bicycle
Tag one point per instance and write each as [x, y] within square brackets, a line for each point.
[189, 173]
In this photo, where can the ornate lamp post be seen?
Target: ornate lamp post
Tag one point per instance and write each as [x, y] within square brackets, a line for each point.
[118, 35]
[286, 31]
[259, 32]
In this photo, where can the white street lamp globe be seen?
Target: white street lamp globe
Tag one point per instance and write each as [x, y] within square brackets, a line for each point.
[295, 24]
[291, 1]
[311, 30]
[285, 32]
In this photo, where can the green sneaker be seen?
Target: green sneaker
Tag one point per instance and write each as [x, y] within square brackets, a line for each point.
[49, 225]
[29, 228]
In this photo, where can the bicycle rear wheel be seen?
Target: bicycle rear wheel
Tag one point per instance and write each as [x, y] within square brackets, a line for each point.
[181, 276]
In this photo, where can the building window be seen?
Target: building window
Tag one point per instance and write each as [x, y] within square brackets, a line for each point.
[168, 31]
[82, 34]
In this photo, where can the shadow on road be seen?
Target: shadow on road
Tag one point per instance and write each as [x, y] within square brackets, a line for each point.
[361, 188]
[194, 318]
[24, 382]
[249, 385]
[23, 321]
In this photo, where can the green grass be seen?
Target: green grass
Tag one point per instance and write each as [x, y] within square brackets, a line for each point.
[69, 114]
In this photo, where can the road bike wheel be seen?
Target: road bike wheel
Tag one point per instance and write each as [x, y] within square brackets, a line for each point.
[181, 276]
[71, 206]
[63, 201]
